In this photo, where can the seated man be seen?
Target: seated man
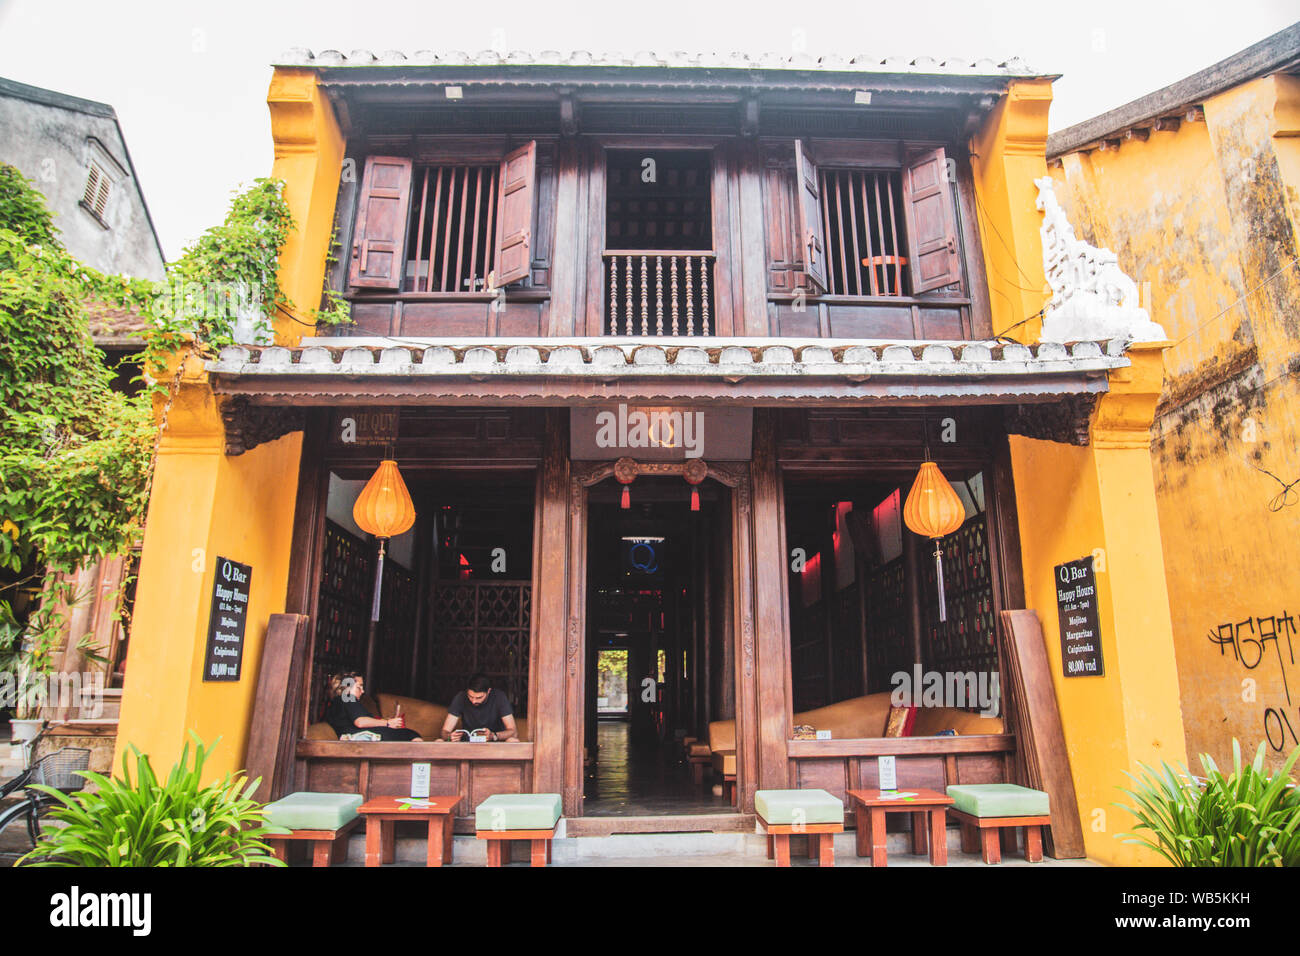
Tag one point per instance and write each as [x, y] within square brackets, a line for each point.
[480, 707]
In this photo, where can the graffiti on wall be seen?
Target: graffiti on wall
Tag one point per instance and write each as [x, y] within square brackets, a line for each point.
[1265, 641]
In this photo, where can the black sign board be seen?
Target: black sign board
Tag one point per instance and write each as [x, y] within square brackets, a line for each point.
[225, 655]
[1076, 606]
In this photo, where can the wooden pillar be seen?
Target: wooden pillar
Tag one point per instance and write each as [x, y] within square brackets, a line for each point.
[761, 578]
[828, 610]
[574, 637]
[912, 559]
[424, 602]
[548, 720]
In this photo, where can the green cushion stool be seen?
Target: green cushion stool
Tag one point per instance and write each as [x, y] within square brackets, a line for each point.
[990, 814]
[816, 813]
[322, 819]
[518, 816]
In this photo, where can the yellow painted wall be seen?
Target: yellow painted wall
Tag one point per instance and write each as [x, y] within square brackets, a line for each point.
[1208, 216]
[1076, 501]
[205, 504]
[1007, 155]
[309, 158]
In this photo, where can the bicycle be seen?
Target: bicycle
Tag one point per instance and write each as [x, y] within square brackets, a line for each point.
[57, 770]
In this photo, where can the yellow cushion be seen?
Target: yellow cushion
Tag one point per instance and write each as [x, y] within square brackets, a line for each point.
[850, 719]
[699, 750]
[931, 720]
[722, 735]
[422, 716]
[320, 731]
[724, 762]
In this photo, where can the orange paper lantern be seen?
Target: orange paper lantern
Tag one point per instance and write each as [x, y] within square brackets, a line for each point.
[934, 510]
[384, 509]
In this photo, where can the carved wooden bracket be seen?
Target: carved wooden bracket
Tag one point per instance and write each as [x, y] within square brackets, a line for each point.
[1066, 421]
[249, 425]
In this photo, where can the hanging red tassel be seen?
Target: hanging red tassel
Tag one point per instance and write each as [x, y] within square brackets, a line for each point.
[695, 499]
[627, 498]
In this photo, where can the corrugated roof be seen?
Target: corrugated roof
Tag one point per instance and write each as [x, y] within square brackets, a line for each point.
[802, 62]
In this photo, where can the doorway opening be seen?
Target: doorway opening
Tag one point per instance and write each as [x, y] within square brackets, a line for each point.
[659, 644]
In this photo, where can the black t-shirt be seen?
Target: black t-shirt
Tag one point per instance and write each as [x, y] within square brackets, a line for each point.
[342, 714]
[487, 714]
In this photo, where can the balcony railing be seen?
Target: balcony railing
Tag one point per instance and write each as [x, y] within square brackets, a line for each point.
[659, 292]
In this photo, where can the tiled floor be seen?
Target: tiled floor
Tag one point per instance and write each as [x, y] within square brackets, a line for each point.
[640, 777]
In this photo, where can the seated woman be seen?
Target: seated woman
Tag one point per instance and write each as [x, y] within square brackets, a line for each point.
[346, 714]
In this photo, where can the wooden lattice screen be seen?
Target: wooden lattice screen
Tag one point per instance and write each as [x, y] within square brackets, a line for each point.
[887, 625]
[481, 626]
[967, 641]
[343, 618]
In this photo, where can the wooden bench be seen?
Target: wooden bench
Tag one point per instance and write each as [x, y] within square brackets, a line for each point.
[504, 817]
[990, 814]
[814, 813]
[324, 820]
[724, 767]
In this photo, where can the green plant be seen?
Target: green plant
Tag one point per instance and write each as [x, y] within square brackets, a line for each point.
[1247, 818]
[143, 822]
[74, 453]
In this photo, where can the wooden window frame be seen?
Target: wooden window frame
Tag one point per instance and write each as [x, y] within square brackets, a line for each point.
[423, 152]
[724, 208]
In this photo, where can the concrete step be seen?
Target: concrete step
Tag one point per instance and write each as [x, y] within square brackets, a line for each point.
[567, 848]
[676, 823]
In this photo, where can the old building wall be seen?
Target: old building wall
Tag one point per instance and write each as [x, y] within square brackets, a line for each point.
[51, 139]
[1204, 218]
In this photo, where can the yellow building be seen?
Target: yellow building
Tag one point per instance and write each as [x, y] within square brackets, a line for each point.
[837, 267]
[1197, 188]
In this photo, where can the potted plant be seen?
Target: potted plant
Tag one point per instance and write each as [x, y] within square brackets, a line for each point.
[1243, 818]
[148, 821]
[27, 655]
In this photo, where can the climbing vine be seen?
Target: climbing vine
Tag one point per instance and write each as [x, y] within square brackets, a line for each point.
[76, 456]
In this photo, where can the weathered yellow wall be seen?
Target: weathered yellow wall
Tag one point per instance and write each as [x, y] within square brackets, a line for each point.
[207, 505]
[309, 158]
[1075, 501]
[1100, 500]
[204, 505]
[1208, 216]
[1007, 155]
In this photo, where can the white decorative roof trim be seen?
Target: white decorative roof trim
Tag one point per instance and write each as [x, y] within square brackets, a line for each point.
[1092, 298]
[677, 59]
[667, 358]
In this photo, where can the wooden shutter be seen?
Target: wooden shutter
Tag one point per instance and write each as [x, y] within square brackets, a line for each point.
[812, 237]
[379, 237]
[515, 189]
[931, 224]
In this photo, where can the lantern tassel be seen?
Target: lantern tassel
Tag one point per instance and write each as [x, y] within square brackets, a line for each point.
[695, 499]
[627, 499]
[379, 583]
[938, 576]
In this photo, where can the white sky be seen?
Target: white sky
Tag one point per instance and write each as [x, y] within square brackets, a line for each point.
[189, 79]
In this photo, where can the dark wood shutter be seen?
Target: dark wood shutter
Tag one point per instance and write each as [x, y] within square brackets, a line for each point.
[379, 237]
[515, 190]
[931, 223]
[812, 237]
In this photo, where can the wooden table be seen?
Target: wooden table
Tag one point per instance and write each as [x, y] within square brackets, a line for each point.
[871, 807]
[382, 814]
